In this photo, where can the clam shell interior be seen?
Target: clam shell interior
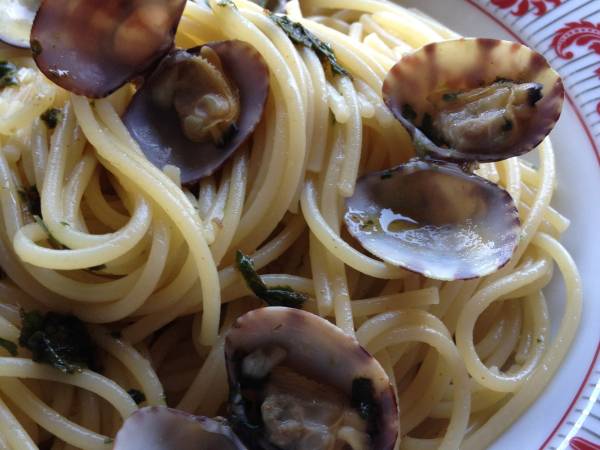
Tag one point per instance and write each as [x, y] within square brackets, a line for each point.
[159, 133]
[161, 428]
[316, 349]
[434, 219]
[463, 65]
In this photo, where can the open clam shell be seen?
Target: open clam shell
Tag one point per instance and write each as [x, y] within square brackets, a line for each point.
[264, 340]
[161, 428]
[474, 99]
[16, 20]
[435, 219]
[159, 132]
[92, 47]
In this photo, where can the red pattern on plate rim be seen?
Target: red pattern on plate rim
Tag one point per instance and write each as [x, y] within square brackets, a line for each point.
[524, 6]
[579, 33]
[575, 441]
[582, 33]
[583, 444]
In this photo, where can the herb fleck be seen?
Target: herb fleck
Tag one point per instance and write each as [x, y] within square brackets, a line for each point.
[8, 74]
[301, 36]
[59, 340]
[226, 3]
[277, 296]
[137, 396]
[51, 117]
[9, 346]
[55, 243]
[30, 196]
[109, 441]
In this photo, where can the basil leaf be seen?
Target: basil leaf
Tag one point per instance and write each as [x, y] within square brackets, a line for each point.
[301, 36]
[276, 296]
[59, 340]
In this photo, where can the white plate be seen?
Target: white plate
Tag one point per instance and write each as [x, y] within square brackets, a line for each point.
[567, 32]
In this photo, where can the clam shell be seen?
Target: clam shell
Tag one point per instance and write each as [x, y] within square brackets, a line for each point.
[435, 219]
[16, 20]
[161, 428]
[466, 64]
[318, 350]
[159, 133]
[92, 47]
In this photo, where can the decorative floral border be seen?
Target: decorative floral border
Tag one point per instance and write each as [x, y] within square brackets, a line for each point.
[567, 32]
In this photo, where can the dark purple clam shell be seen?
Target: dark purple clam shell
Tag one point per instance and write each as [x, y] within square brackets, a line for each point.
[462, 65]
[93, 47]
[158, 130]
[317, 349]
[435, 219]
[161, 428]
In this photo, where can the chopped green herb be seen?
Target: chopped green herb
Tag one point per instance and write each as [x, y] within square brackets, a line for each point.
[277, 296]
[31, 197]
[51, 117]
[8, 74]
[137, 396]
[65, 224]
[109, 441]
[226, 3]
[450, 96]
[363, 398]
[9, 346]
[301, 36]
[59, 340]
[51, 239]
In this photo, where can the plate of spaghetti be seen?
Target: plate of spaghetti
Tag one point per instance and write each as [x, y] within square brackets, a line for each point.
[299, 225]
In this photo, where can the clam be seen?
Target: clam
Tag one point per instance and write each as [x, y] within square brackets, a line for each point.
[199, 106]
[474, 99]
[15, 21]
[434, 218]
[298, 382]
[94, 47]
[161, 428]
